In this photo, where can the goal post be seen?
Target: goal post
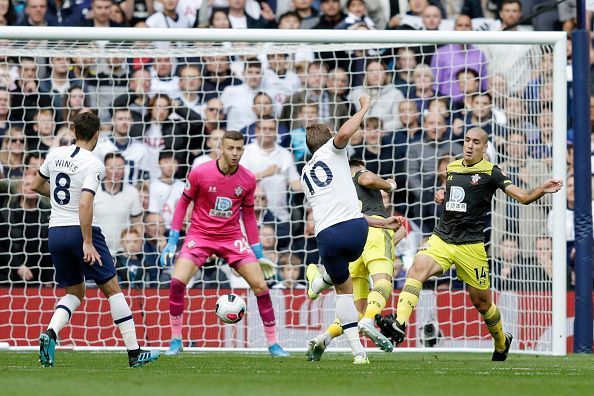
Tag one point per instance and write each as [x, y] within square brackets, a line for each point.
[540, 310]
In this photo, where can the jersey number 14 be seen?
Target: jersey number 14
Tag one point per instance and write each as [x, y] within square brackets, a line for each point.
[312, 173]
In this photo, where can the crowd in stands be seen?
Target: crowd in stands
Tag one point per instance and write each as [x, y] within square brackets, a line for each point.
[163, 116]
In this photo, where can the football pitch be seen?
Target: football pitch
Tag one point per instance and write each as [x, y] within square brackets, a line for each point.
[239, 374]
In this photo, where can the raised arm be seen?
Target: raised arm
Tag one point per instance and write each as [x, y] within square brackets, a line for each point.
[349, 128]
[550, 186]
[372, 181]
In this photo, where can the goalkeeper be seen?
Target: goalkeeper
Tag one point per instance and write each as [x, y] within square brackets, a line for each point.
[222, 192]
[377, 260]
[458, 238]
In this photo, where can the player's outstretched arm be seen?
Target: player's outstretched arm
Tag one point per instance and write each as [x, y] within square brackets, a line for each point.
[348, 129]
[85, 215]
[391, 223]
[372, 181]
[40, 186]
[550, 186]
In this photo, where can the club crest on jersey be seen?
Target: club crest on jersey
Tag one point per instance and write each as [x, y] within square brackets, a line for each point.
[191, 244]
[475, 179]
[238, 191]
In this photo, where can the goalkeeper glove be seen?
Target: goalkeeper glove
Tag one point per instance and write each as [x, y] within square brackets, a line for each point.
[168, 253]
[267, 266]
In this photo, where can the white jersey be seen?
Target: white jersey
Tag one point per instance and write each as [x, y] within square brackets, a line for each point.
[329, 188]
[163, 198]
[134, 153]
[70, 170]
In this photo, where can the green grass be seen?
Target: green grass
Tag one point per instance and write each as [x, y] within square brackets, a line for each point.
[106, 374]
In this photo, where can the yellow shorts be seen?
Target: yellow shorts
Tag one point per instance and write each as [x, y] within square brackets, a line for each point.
[377, 257]
[470, 259]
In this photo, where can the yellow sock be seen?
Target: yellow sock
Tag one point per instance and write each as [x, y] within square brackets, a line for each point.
[335, 329]
[493, 321]
[408, 299]
[376, 301]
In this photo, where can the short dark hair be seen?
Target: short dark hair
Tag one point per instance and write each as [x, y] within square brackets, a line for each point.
[265, 118]
[86, 125]
[114, 155]
[467, 70]
[262, 93]
[166, 155]
[287, 14]
[253, 62]
[316, 136]
[31, 156]
[504, 2]
[234, 135]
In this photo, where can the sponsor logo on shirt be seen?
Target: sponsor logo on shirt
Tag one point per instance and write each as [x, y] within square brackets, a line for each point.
[212, 189]
[222, 208]
[455, 203]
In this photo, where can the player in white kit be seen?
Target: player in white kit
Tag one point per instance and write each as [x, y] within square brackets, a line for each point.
[76, 244]
[340, 228]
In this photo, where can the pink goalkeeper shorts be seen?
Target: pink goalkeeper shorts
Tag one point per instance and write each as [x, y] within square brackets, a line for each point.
[237, 252]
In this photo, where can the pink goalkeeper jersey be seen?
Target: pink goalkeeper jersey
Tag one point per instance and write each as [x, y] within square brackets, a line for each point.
[218, 199]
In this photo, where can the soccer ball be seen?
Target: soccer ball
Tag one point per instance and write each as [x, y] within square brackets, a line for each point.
[230, 308]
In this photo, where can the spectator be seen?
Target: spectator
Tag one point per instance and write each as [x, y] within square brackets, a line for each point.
[74, 101]
[517, 120]
[377, 157]
[468, 85]
[164, 132]
[338, 85]
[242, 20]
[163, 78]
[214, 116]
[238, 99]
[66, 13]
[12, 153]
[268, 240]
[8, 15]
[137, 11]
[543, 260]
[279, 79]
[168, 17]
[166, 191]
[213, 144]
[452, 58]
[510, 271]
[101, 11]
[137, 100]
[25, 97]
[64, 137]
[4, 111]
[219, 19]
[190, 82]
[424, 86]
[263, 108]
[331, 16]
[133, 151]
[480, 115]
[131, 266]
[143, 188]
[308, 16]
[385, 97]
[35, 13]
[289, 20]
[273, 166]
[217, 75]
[357, 14]
[155, 239]
[330, 112]
[117, 204]
[117, 16]
[307, 247]
[542, 147]
[57, 86]
[23, 238]
[290, 272]
[406, 62]
[422, 162]
[307, 115]
[43, 132]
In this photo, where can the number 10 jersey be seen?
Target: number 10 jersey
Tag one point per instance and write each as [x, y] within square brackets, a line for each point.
[328, 187]
[70, 171]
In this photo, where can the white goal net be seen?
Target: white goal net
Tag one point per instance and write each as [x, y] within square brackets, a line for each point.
[164, 100]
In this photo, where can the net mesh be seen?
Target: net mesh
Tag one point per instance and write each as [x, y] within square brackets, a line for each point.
[154, 98]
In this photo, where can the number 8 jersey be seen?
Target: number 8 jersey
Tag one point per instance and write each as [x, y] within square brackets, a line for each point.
[328, 187]
[70, 171]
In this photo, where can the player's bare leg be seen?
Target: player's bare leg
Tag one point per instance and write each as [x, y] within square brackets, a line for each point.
[183, 271]
[481, 299]
[422, 269]
[122, 317]
[64, 310]
[252, 273]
